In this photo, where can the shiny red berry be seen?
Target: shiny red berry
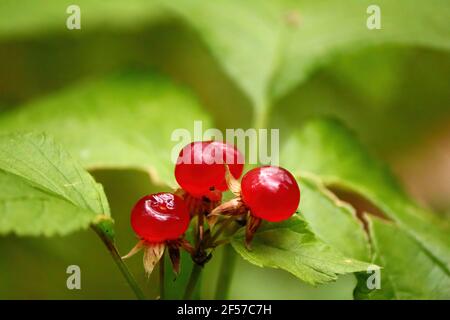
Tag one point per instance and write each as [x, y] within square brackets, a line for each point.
[200, 167]
[271, 193]
[159, 217]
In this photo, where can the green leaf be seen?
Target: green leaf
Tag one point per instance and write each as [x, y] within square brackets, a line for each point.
[409, 271]
[372, 86]
[332, 220]
[248, 58]
[29, 17]
[327, 27]
[280, 42]
[125, 122]
[327, 150]
[44, 191]
[291, 246]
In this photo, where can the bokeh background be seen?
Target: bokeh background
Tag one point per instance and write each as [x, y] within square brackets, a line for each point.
[395, 97]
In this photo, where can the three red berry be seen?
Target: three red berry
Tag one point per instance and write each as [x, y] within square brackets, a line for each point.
[204, 170]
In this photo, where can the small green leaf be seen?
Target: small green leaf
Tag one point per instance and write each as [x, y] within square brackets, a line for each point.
[44, 191]
[332, 220]
[124, 122]
[409, 271]
[330, 152]
[291, 246]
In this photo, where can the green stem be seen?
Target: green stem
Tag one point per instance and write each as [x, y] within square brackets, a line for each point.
[220, 230]
[192, 283]
[261, 115]
[109, 243]
[229, 257]
[225, 273]
[162, 290]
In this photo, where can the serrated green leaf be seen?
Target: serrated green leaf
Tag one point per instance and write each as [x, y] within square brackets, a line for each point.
[44, 191]
[409, 271]
[332, 220]
[330, 152]
[124, 122]
[280, 42]
[291, 246]
[29, 17]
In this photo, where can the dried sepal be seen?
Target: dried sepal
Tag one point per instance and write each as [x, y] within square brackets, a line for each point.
[253, 224]
[152, 254]
[186, 245]
[212, 219]
[202, 206]
[134, 250]
[174, 254]
[180, 192]
[234, 207]
[233, 184]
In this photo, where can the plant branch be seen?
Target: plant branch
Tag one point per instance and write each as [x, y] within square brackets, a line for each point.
[192, 283]
[107, 239]
[225, 273]
[220, 230]
[260, 116]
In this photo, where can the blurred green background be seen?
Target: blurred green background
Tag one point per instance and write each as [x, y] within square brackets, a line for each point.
[395, 97]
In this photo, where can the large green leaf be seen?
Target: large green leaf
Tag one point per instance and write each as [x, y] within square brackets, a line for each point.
[122, 122]
[291, 246]
[327, 150]
[279, 42]
[372, 86]
[328, 26]
[29, 17]
[409, 272]
[249, 58]
[332, 220]
[43, 189]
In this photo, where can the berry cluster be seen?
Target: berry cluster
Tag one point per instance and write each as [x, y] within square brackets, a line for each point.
[204, 170]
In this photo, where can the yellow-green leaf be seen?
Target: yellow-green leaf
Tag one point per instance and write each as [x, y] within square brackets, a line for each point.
[44, 191]
[291, 246]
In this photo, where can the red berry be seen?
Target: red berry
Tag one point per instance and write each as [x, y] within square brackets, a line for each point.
[200, 167]
[159, 217]
[271, 193]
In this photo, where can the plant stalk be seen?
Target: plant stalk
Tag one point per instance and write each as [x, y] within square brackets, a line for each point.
[229, 257]
[109, 243]
[192, 283]
[225, 273]
[220, 230]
